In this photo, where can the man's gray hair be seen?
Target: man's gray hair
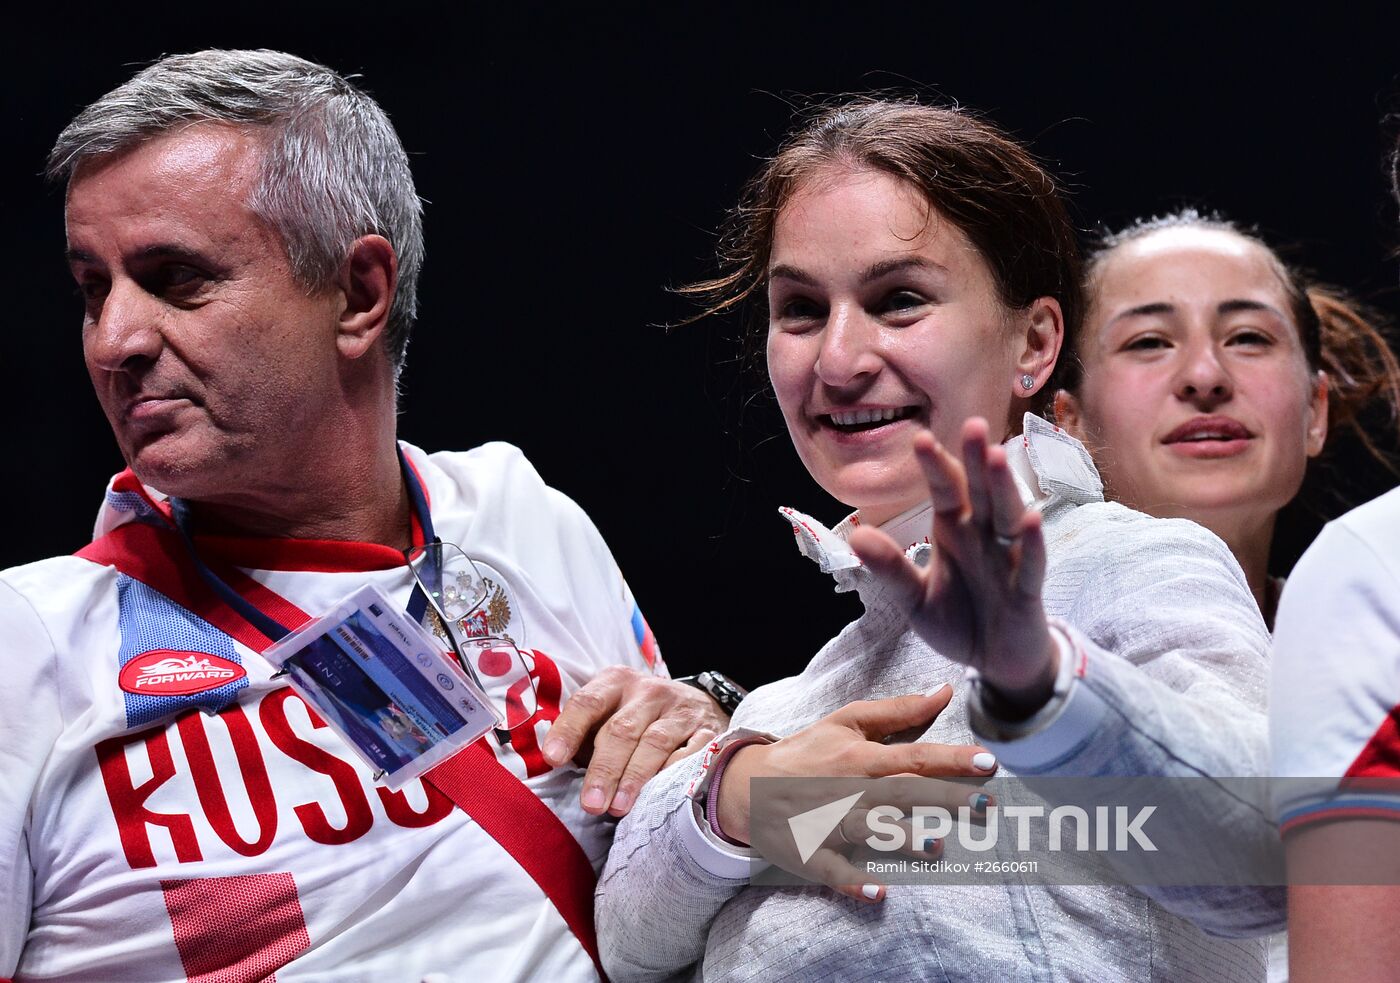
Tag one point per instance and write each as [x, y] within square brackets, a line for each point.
[333, 168]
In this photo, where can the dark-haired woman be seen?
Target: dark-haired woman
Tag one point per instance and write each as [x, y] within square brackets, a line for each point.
[1212, 374]
[921, 276]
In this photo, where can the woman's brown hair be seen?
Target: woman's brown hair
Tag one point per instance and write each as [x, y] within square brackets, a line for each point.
[986, 183]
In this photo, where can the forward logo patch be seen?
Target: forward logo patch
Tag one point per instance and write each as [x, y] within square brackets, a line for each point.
[168, 672]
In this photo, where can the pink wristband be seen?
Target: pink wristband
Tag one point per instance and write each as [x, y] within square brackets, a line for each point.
[712, 794]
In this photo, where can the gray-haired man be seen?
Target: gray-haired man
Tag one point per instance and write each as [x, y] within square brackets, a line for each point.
[245, 234]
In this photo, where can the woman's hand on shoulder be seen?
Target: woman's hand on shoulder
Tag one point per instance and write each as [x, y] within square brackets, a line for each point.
[977, 600]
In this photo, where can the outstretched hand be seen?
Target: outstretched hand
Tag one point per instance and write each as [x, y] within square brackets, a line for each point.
[977, 600]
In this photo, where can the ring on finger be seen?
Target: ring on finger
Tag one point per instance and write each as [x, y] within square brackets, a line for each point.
[841, 832]
[1005, 542]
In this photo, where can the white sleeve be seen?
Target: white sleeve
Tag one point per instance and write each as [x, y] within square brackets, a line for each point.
[665, 881]
[1170, 645]
[1171, 658]
[1336, 680]
[29, 725]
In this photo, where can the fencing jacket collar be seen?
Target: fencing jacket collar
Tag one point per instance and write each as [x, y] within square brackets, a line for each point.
[1047, 464]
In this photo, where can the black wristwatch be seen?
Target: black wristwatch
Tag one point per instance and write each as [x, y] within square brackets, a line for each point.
[723, 690]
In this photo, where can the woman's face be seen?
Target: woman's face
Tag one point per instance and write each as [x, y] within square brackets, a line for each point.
[1197, 399]
[884, 320]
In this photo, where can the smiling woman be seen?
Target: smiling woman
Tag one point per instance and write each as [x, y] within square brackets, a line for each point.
[885, 322]
[1212, 373]
[921, 275]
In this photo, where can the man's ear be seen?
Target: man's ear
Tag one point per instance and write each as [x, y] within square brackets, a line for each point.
[1040, 333]
[367, 280]
[1068, 416]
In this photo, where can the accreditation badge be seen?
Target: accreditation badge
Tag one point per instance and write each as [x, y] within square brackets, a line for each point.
[382, 683]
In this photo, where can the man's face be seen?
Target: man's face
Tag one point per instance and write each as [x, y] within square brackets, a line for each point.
[210, 361]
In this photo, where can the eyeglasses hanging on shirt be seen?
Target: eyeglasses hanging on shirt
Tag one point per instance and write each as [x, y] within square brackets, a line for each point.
[449, 596]
[458, 613]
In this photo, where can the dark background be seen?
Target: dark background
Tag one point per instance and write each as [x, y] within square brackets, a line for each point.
[575, 164]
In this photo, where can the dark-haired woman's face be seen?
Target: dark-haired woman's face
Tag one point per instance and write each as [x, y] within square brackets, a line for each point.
[883, 320]
[1197, 400]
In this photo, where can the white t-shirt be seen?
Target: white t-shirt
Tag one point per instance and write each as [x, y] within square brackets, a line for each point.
[142, 839]
[1336, 675]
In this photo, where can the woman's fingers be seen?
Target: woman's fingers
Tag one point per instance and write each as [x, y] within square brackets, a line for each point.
[877, 719]
[1007, 508]
[856, 829]
[833, 870]
[933, 760]
[976, 498]
[981, 584]
[975, 463]
[1030, 575]
[947, 480]
[883, 558]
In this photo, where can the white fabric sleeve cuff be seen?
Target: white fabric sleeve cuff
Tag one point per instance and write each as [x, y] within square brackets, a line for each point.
[721, 859]
[1071, 717]
[716, 856]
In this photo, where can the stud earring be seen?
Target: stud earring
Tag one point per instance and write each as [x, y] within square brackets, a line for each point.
[1028, 382]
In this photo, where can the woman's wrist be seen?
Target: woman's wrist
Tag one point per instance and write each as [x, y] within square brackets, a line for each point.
[1023, 700]
[730, 798]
